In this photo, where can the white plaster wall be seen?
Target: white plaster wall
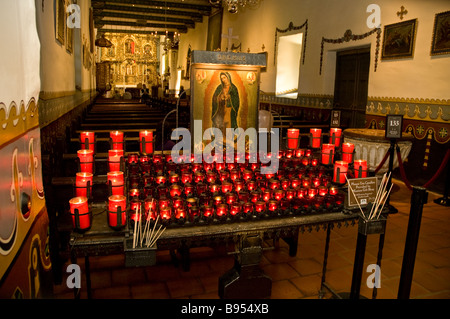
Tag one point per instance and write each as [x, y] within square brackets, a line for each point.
[422, 76]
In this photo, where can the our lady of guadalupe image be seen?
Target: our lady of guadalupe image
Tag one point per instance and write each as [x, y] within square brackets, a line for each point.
[225, 104]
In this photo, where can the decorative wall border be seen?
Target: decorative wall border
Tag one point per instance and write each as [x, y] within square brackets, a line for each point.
[291, 27]
[348, 35]
[433, 110]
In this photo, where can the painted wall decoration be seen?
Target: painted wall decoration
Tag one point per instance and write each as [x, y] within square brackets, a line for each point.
[24, 249]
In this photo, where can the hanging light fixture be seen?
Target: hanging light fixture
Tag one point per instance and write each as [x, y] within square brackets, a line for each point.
[233, 5]
[103, 42]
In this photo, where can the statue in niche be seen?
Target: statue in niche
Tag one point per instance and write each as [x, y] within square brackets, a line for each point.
[129, 46]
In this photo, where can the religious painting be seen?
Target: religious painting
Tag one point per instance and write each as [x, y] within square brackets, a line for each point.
[60, 20]
[441, 34]
[214, 39]
[69, 42]
[224, 94]
[91, 30]
[399, 39]
[226, 98]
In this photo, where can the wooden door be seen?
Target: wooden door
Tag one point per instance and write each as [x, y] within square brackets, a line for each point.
[350, 93]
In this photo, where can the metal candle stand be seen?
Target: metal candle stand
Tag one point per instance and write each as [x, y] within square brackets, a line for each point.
[366, 227]
[77, 215]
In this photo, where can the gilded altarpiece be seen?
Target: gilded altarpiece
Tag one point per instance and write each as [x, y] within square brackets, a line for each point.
[133, 59]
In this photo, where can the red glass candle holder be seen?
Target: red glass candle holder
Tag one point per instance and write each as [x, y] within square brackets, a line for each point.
[115, 183]
[274, 184]
[290, 193]
[115, 160]
[231, 197]
[360, 168]
[86, 160]
[347, 152]
[87, 141]
[135, 211]
[200, 188]
[150, 208]
[165, 214]
[302, 192]
[132, 159]
[191, 201]
[273, 205]
[81, 216]
[251, 185]
[235, 209]
[247, 208]
[116, 140]
[186, 177]
[160, 179]
[134, 193]
[227, 187]
[340, 172]
[316, 140]
[255, 196]
[335, 136]
[214, 188]
[175, 190]
[260, 206]
[211, 176]
[174, 178]
[333, 190]
[295, 182]
[234, 174]
[312, 191]
[218, 200]
[292, 138]
[328, 151]
[177, 202]
[315, 180]
[208, 212]
[306, 181]
[239, 185]
[117, 216]
[243, 196]
[323, 190]
[146, 142]
[278, 194]
[266, 195]
[199, 176]
[221, 210]
[83, 184]
[188, 189]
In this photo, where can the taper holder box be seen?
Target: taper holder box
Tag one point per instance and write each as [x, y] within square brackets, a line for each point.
[139, 256]
[372, 226]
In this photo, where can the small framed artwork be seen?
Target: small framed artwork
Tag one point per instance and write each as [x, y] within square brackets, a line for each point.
[441, 34]
[214, 38]
[399, 39]
[60, 20]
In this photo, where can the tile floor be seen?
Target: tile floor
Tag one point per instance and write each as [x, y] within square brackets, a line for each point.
[296, 277]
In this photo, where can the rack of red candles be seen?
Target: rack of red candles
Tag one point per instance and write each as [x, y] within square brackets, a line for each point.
[191, 193]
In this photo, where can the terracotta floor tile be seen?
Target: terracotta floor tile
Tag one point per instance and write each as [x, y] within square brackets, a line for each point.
[117, 292]
[285, 289]
[156, 290]
[280, 271]
[183, 288]
[307, 266]
[308, 285]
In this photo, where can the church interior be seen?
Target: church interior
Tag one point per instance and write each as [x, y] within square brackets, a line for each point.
[116, 179]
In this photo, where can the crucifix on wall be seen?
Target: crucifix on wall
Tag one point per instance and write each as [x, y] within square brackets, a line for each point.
[230, 38]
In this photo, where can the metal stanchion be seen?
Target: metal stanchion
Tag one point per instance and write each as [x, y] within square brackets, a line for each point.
[419, 197]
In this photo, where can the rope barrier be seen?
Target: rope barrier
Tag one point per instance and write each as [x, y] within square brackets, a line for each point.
[438, 172]
[382, 162]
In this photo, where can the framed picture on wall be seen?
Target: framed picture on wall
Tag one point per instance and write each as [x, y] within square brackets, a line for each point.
[399, 39]
[214, 39]
[441, 34]
[60, 20]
